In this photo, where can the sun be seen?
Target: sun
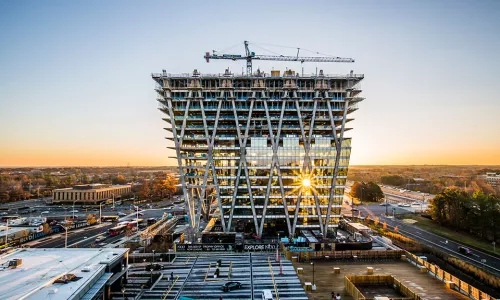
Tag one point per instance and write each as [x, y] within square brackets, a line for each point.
[306, 182]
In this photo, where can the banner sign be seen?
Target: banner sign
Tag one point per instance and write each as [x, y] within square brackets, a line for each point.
[300, 249]
[260, 247]
[53, 229]
[37, 235]
[203, 247]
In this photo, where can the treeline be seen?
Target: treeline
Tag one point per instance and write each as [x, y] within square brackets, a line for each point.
[368, 192]
[22, 186]
[476, 212]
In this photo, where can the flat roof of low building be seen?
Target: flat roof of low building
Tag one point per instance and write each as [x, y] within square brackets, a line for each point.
[358, 226]
[34, 278]
[93, 187]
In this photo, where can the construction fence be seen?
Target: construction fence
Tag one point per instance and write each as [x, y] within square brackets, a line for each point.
[359, 255]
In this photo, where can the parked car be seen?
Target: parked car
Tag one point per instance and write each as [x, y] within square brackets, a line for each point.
[231, 285]
[155, 267]
[464, 250]
[384, 204]
[120, 214]
[354, 209]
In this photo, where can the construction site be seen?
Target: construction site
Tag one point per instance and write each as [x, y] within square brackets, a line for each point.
[262, 153]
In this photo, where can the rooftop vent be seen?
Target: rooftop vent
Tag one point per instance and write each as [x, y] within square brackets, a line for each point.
[16, 262]
[86, 269]
[53, 291]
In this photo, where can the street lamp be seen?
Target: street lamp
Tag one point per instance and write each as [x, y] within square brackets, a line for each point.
[100, 212]
[123, 292]
[153, 256]
[66, 235]
[312, 263]
[386, 206]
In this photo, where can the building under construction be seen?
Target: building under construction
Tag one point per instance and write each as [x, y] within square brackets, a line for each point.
[262, 153]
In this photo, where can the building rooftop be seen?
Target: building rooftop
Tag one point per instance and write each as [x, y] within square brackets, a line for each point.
[423, 284]
[194, 278]
[289, 73]
[34, 278]
[93, 186]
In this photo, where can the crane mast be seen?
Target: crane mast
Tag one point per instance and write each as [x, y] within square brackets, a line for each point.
[249, 56]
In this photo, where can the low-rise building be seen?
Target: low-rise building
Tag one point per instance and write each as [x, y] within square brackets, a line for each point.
[492, 179]
[90, 193]
[33, 273]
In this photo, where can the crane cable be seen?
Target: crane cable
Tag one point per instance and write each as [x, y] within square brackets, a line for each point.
[289, 47]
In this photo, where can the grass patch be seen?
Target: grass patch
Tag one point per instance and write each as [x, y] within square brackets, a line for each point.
[451, 234]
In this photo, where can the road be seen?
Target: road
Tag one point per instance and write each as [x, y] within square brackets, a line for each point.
[85, 237]
[491, 263]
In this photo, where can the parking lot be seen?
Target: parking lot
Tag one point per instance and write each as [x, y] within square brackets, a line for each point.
[193, 277]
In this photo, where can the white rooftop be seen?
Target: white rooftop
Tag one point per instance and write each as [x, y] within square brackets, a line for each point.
[359, 226]
[34, 278]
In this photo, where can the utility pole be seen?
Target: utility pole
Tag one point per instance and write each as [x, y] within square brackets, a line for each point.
[386, 206]
[100, 213]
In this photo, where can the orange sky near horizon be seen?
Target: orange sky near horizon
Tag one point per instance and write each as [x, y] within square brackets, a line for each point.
[117, 157]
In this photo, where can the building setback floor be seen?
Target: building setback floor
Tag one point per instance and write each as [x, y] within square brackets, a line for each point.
[327, 282]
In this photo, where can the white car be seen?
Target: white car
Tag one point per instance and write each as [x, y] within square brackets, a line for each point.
[74, 211]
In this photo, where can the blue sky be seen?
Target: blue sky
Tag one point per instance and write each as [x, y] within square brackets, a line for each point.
[75, 85]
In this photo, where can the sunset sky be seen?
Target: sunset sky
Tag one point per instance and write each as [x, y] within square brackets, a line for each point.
[76, 87]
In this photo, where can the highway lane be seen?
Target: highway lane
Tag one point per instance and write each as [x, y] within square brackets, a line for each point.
[491, 263]
[86, 236]
[58, 240]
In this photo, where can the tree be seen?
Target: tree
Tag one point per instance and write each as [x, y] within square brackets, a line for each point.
[370, 191]
[396, 229]
[384, 226]
[164, 185]
[145, 189]
[120, 179]
[476, 213]
[376, 221]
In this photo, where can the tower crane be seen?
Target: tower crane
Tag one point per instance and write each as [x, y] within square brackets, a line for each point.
[249, 56]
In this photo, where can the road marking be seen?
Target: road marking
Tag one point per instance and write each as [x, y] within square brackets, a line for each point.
[456, 242]
[451, 251]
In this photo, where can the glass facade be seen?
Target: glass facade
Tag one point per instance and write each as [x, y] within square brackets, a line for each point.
[261, 154]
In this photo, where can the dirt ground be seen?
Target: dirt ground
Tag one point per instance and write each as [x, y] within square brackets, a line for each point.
[327, 282]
